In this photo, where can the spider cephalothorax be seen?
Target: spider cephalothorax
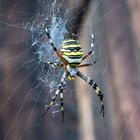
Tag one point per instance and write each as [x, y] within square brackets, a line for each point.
[71, 57]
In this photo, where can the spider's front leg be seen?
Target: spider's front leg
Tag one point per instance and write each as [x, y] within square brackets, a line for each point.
[53, 47]
[59, 90]
[91, 48]
[95, 87]
[52, 44]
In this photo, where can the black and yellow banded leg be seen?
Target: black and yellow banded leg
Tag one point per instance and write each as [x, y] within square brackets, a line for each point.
[86, 65]
[53, 64]
[52, 44]
[60, 87]
[62, 104]
[95, 87]
[51, 103]
[91, 47]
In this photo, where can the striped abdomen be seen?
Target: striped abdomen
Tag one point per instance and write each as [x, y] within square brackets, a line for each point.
[72, 52]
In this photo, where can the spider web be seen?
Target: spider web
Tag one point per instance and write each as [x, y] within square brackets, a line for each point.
[41, 52]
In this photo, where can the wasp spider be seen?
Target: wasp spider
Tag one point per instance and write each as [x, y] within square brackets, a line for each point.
[71, 57]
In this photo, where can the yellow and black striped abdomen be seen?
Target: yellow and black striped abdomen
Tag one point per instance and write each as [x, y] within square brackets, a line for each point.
[72, 52]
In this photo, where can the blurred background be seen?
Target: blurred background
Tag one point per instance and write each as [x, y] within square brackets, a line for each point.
[26, 81]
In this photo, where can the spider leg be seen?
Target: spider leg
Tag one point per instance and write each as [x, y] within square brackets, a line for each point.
[86, 65]
[60, 87]
[95, 87]
[62, 105]
[51, 103]
[91, 48]
[53, 64]
[52, 44]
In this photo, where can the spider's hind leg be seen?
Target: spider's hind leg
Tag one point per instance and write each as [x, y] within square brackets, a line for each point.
[61, 102]
[59, 89]
[51, 103]
[95, 87]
